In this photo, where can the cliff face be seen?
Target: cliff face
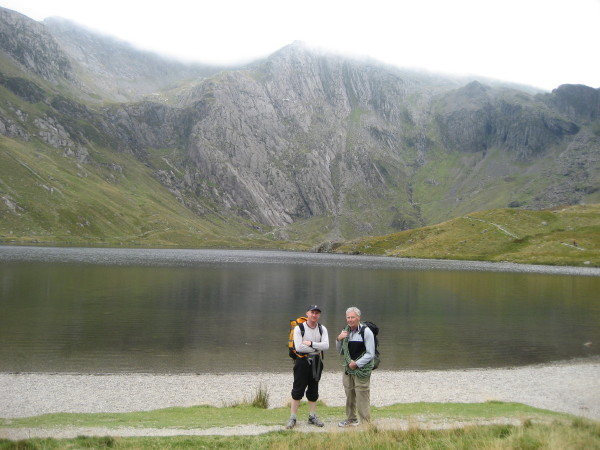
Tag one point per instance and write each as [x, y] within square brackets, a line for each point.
[475, 118]
[296, 135]
[32, 46]
[303, 135]
[576, 101]
[278, 137]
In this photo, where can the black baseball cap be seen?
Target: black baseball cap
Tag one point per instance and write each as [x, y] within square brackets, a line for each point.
[313, 308]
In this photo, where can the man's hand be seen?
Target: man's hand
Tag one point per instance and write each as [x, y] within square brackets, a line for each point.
[353, 365]
[307, 343]
[342, 335]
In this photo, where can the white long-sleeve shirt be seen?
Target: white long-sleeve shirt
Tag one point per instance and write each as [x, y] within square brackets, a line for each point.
[319, 343]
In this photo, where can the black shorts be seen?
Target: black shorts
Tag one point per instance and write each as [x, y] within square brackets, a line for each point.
[304, 381]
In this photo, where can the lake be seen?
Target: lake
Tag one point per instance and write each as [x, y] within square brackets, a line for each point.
[191, 311]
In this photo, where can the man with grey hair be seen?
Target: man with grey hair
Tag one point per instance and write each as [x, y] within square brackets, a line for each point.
[356, 344]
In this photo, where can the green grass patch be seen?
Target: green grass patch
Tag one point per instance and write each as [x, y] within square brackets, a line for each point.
[245, 413]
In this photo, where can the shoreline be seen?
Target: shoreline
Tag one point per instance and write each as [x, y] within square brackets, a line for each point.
[571, 387]
[121, 256]
[593, 359]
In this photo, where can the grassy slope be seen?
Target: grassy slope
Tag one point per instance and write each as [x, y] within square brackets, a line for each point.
[529, 237]
[46, 197]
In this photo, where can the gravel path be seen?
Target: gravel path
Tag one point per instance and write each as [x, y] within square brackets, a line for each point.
[242, 430]
[568, 387]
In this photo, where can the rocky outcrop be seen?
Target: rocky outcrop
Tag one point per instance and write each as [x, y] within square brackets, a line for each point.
[528, 128]
[12, 206]
[31, 45]
[51, 131]
[23, 88]
[326, 247]
[475, 118]
[576, 101]
[466, 117]
[140, 125]
[12, 128]
[578, 167]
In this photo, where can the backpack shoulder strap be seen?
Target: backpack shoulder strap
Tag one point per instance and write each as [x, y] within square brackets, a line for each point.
[320, 329]
[362, 332]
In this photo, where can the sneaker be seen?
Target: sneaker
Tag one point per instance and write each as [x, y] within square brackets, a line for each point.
[291, 423]
[314, 420]
[348, 423]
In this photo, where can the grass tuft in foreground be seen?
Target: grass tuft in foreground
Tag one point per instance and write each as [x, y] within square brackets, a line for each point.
[261, 398]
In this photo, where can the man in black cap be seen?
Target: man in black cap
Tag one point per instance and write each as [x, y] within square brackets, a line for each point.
[310, 340]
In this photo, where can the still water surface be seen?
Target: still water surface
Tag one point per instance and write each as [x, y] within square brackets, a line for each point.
[170, 311]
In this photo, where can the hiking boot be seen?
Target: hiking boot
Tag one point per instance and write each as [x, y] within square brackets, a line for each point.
[348, 423]
[314, 420]
[291, 423]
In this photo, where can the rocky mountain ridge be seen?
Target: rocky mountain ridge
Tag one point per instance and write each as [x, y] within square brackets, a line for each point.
[117, 71]
[301, 137]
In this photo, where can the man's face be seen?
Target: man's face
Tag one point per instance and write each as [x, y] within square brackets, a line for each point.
[313, 315]
[352, 320]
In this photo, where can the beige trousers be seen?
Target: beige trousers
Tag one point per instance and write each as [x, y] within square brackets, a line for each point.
[358, 397]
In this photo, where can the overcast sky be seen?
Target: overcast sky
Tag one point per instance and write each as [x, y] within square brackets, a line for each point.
[542, 43]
